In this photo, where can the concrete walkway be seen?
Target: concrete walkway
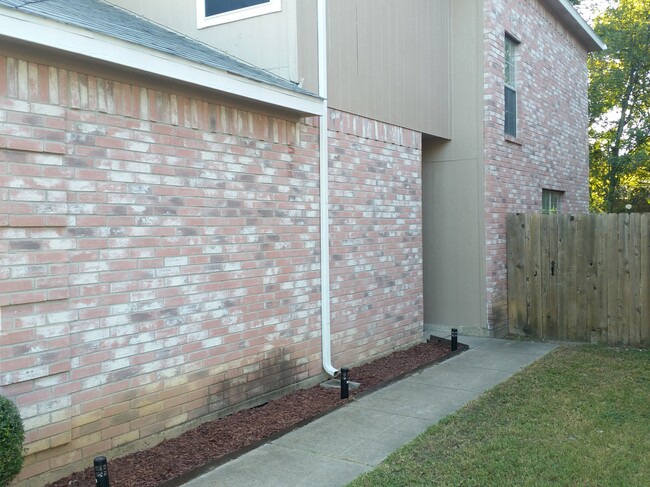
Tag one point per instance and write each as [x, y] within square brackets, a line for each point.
[335, 449]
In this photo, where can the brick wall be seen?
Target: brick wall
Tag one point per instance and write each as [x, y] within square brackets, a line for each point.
[376, 242]
[551, 149]
[159, 257]
[155, 267]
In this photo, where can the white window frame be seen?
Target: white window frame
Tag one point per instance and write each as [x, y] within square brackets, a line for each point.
[552, 201]
[510, 66]
[243, 13]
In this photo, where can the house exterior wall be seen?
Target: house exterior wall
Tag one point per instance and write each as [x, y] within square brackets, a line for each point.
[480, 175]
[453, 189]
[551, 147]
[408, 46]
[376, 237]
[267, 41]
[390, 63]
[159, 257]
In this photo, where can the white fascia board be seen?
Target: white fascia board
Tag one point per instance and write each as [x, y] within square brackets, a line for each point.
[44, 32]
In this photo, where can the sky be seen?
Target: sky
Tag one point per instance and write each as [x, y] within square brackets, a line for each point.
[589, 9]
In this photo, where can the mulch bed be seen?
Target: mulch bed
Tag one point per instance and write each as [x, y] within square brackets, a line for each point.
[179, 459]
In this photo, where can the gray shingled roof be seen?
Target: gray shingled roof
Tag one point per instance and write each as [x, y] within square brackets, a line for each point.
[104, 18]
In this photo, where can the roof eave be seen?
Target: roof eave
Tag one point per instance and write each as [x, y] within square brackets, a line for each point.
[70, 39]
[568, 15]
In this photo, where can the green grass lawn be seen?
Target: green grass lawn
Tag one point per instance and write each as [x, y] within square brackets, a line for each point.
[580, 416]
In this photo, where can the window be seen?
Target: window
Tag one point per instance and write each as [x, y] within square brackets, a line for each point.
[215, 12]
[510, 86]
[551, 202]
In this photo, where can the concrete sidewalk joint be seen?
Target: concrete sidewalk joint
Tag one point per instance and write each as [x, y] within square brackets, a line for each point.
[334, 449]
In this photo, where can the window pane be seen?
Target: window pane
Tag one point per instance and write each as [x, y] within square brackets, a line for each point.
[551, 202]
[509, 67]
[511, 111]
[215, 7]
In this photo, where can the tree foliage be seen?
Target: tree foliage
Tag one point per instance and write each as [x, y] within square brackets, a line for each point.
[619, 105]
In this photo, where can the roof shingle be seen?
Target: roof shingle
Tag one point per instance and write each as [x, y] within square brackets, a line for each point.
[103, 18]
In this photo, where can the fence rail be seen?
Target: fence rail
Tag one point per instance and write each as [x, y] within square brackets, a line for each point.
[580, 277]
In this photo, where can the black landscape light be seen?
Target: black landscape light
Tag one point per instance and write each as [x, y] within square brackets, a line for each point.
[454, 339]
[345, 392]
[101, 471]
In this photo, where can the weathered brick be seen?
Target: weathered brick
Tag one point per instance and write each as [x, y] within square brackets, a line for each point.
[185, 252]
[551, 148]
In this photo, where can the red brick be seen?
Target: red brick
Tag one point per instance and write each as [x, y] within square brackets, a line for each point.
[179, 264]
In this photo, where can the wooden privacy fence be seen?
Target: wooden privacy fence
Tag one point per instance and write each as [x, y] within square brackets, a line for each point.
[580, 277]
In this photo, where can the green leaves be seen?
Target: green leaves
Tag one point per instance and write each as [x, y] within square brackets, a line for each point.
[619, 109]
[12, 436]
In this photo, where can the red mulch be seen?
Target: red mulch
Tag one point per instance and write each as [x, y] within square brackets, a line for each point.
[181, 458]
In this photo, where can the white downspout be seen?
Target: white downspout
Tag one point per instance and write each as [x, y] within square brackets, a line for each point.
[324, 193]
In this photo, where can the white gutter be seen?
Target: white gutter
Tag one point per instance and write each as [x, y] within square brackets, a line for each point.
[75, 40]
[326, 336]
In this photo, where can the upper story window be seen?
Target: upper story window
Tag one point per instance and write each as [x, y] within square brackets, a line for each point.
[510, 86]
[551, 202]
[215, 12]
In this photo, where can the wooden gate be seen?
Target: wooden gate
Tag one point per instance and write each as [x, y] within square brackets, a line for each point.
[580, 277]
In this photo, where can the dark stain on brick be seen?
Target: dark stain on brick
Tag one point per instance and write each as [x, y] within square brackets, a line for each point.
[164, 353]
[80, 139]
[25, 245]
[140, 317]
[167, 312]
[81, 232]
[218, 259]
[165, 210]
[123, 374]
[176, 201]
[246, 178]
[14, 156]
[76, 161]
[276, 369]
[187, 231]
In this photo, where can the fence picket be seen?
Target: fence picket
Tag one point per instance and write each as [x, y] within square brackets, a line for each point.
[612, 278]
[580, 277]
[634, 300]
[644, 285]
[553, 282]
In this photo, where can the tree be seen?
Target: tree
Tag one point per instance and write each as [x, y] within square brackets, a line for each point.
[619, 109]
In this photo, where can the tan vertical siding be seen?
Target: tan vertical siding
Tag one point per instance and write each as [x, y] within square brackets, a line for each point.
[267, 41]
[388, 60]
[453, 190]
